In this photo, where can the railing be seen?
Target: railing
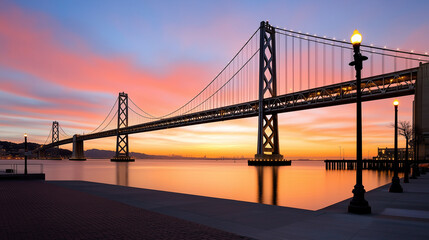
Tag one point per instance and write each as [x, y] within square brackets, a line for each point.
[15, 168]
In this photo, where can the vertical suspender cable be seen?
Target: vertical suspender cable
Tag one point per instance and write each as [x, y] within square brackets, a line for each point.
[316, 58]
[300, 63]
[372, 62]
[324, 62]
[333, 62]
[351, 69]
[341, 64]
[286, 52]
[279, 44]
[394, 61]
[293, 64]
[308, 63]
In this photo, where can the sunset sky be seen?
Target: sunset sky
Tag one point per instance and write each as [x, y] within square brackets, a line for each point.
[68, 60]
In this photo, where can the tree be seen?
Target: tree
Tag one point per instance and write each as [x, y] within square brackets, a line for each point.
[405, 130]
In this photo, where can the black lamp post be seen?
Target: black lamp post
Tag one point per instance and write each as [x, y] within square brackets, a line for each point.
[358, 204]
[25, 154]
[396, 186]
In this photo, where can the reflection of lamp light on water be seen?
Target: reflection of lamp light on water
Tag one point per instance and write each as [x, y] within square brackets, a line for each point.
[260, 178]
[122, 173]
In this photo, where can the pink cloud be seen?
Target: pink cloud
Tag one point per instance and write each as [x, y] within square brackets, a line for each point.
[38, 53]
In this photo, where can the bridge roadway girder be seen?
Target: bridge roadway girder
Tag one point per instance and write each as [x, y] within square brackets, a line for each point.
[389, 85]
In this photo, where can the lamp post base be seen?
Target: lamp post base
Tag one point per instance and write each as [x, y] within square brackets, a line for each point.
[396, 186]
[358, 204]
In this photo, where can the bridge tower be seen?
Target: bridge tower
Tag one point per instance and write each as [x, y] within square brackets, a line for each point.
[122, 153]
[55, 139]
[55, 132]
[268, 152]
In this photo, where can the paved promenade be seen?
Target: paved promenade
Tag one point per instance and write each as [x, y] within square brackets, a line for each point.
[85, 210]
[41, 210]
[395, 215]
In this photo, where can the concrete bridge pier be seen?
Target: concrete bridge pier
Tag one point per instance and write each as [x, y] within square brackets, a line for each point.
[78, 152]
[421, 112]
[41, 154]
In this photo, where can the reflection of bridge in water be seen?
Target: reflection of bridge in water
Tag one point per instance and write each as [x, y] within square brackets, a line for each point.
[275, 180]
[276, 71]
[122, 173]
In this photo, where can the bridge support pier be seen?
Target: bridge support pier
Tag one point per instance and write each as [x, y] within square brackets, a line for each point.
[78, 152]
[421, 113]
[268, 152]
[122, 151]
[41, 154]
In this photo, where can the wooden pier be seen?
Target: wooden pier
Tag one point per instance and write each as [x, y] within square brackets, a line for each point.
[366, 164]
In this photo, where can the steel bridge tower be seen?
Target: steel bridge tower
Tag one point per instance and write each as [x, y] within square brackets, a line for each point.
[55, 132]
[122, 150]
[55, 139]
[268, 152]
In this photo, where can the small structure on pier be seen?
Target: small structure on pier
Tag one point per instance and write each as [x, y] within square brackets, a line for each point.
[383, 161]
[389, 154]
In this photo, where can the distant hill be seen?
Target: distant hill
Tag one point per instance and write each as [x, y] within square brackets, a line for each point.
[97, 153]
[16, 150]
[102, 154]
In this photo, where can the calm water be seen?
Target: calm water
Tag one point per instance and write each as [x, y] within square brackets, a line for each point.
[305, 184]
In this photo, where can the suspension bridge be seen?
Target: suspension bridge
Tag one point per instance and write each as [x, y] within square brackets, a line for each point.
[277, 70]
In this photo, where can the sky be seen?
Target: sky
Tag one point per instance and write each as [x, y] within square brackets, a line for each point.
[68, 60]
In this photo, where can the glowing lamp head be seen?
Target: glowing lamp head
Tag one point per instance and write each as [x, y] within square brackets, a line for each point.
[396, 102]
[356, 38]
[25, 134]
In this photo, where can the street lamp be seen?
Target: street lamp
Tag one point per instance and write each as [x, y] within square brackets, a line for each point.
[25, 153]
[358, 204]
[396, 186]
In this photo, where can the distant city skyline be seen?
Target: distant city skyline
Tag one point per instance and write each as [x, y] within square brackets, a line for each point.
[67, 61]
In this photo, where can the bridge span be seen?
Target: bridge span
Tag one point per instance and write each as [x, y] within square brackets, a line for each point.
[271, 66]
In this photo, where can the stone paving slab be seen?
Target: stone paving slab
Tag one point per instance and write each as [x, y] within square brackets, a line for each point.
[41, 210]
[395, 215]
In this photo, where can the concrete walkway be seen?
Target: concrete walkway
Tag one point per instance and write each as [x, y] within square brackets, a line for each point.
[40, 210]
[395, 215]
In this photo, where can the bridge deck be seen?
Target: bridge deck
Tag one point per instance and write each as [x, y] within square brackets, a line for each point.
[389, 85]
